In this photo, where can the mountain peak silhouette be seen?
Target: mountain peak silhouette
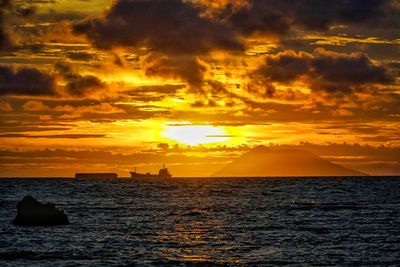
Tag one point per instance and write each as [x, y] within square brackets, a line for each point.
[262, 161]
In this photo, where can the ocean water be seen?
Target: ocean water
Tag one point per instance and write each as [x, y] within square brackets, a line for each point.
[207, 222]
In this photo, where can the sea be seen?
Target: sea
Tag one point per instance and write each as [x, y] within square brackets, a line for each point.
[321, 221]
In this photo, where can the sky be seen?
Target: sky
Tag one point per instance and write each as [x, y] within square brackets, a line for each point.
[100, 85]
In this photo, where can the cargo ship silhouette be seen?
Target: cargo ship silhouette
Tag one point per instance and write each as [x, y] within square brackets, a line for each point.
[162, 173]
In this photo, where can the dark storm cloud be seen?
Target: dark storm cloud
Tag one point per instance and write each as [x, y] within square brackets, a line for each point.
[167, 26]
[26, 81]
[178, 27]
[179, 31]
[10, 9]
[5, 39]
[279, 16]
[324, 70]
[33, 82]
[77, 84]
[188, 69]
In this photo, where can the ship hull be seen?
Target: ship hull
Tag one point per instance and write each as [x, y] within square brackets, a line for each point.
[148, 175]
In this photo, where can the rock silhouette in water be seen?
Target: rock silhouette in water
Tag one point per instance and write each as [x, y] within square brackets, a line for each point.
[32, 212]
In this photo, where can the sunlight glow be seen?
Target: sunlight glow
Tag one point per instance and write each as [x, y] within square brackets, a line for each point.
[195, 134]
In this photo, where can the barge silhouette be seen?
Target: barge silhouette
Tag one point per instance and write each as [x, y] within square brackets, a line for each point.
[96, 175]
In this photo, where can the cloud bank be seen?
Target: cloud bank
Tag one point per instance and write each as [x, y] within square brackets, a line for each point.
[324, 71]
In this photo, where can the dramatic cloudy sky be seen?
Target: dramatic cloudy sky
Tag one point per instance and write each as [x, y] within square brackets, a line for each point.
[105, 85]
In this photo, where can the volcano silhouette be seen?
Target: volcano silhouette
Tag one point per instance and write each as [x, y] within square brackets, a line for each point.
[262, 161]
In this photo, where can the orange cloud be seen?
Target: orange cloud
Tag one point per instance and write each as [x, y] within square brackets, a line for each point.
[5, 106]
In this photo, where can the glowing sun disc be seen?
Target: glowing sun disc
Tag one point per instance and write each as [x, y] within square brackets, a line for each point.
[195, 134]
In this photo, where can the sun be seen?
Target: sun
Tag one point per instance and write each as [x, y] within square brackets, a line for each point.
[193, 135]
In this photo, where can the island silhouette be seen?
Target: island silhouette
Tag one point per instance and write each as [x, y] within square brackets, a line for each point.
[262, 161]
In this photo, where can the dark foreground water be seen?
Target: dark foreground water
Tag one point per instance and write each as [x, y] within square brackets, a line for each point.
[207, 222]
